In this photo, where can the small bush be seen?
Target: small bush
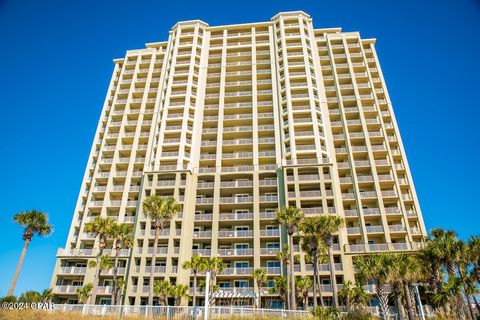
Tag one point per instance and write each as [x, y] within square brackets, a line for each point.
[325, 313]
[358, 314]
[9, 299]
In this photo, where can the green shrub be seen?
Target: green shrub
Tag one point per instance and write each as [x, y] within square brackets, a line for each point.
[9, 299]
[327, 313]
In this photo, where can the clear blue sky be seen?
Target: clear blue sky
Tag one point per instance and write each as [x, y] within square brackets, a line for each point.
[56, 61]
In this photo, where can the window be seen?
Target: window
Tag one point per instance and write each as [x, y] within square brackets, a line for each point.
[273, 264]
[242, 264]
[241, 284]
[273, 245]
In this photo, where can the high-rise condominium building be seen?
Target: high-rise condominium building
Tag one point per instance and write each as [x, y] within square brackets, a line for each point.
[234, 122]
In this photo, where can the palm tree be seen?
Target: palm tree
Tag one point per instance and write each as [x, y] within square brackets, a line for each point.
[359, 297]
[303, 285]
[178, 292]
[284, 258]
[464, 262]
[84, 293]
[449, 250]
[396, 281]
[290, 218]
[162, 290]
[311, 239]
[46, 295]
[102, 229]
[280, 287]
[474, 244]
[33, 222]
[214, 266]
[405, 271]
[122, 235]
[329, 225]
[428, 258]
[160, 210]
[196, 264]
[260, 277]
[29, 297]
[377, 268]
[346, 294]
[121, 286]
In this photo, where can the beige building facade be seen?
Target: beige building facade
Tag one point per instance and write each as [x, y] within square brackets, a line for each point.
[236, 121]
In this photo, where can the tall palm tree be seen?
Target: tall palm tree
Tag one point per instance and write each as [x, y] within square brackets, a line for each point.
[214, 266]
[160, 210]
[303, 285]
[311, 239]
[102, 229]
[84, 293]
[162, 290]
[329, 225]
[377, 268]
[396, 281]
[196, 264]
[474, 244]
[122, 235]
[290, 218]
[33, 222]
[280, 287]
[260, 277]
[464, 263]
[429, 258]
[449, 250]
[405, 271]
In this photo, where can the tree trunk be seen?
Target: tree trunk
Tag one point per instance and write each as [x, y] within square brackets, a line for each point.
[19, 267]
[333, 280]
[293, 305]
[408, 301]
[115, 273]
[322, 304]
[152, 267]
[315, 273]
[194, 296]
[383, 301]
[476, 303]
[259, 302]
[470, 309]
[93, 297]
[399, 305]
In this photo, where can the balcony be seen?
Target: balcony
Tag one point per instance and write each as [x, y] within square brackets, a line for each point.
[202, 252]
[226, 200]
[202, 234]
[66, 289]
[236, 271]
[374, 229]
[235, 252]
[235, 216]
[270, 233]
[235, 233]
[73, 270]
